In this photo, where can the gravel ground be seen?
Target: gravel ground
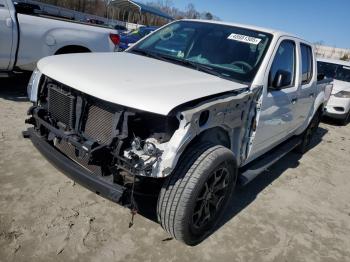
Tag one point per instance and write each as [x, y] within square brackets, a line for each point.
[299, 210]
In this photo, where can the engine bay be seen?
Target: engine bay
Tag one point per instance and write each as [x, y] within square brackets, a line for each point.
[107, 139]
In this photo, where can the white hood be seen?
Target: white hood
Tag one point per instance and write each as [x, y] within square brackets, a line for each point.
[134, 81]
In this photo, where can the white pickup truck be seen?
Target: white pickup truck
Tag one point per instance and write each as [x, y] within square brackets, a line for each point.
[186, 114]
[27, 37]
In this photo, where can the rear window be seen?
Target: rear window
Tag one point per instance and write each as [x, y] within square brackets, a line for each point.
[306, 57]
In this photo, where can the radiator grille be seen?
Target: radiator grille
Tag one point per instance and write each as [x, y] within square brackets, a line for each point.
[70, 151]
[61, 106]
[99, 123]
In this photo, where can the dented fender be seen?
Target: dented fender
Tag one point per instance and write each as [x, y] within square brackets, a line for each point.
[236, 114]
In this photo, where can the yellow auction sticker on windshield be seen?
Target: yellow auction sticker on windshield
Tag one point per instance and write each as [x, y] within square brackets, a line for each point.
[244, 39]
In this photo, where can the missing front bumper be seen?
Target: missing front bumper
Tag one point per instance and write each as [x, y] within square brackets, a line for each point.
[99, 185]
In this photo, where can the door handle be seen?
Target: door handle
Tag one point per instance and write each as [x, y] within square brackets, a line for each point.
[294, 101]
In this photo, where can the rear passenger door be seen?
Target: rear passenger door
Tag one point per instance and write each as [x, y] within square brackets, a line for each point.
[307, 86]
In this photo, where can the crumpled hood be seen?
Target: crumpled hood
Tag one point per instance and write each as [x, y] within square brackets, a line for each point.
[134, 81]
[340, 86]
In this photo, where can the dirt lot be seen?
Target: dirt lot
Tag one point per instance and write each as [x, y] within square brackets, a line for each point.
[297, 211]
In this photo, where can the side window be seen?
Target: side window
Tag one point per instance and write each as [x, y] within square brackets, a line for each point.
[306, 65]
[282, 72]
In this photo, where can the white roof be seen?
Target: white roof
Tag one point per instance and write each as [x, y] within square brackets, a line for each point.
[333, 61]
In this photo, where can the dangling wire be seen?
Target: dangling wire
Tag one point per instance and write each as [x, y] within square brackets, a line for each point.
[132, 202]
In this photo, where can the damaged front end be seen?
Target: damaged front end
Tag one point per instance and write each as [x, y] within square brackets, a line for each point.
[98, 136]
[129, 148]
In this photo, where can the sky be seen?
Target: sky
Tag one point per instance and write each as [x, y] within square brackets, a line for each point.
[313, 20]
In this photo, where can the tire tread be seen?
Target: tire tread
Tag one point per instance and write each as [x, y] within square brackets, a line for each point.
[176, 191]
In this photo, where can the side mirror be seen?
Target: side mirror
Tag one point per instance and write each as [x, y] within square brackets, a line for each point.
[320, 77]
[282, 79]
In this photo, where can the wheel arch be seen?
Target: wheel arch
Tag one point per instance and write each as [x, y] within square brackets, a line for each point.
[70, 49]
[318, 107]
[216, 135]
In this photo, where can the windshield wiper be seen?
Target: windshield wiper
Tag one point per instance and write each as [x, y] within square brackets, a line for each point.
[204, 68]
[194, 65]
[148, 54]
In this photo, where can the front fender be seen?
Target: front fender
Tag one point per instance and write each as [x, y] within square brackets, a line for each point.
[229, 113]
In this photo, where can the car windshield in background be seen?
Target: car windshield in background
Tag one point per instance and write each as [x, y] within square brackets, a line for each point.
[226, 51]
[336, 71]
[142, 31]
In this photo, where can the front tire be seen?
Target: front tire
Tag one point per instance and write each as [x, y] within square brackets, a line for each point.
[194, 197]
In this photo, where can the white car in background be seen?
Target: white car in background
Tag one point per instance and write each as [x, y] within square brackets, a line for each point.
[338, 106]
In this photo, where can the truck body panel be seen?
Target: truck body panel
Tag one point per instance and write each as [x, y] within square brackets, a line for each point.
[25, 39]
[129, 80]
[178, 112]
[278, 114]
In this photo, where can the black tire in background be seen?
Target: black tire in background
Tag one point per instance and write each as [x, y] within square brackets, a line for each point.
[346, 120]
[206, 174]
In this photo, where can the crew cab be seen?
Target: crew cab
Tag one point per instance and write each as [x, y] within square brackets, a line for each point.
[338, 106]
[198, 108]
[27, 35]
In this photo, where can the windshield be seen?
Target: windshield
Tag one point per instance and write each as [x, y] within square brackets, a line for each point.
[338, 72]
[231, 52]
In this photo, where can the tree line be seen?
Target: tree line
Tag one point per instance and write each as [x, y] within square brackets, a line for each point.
[99, 7]
[94, 7]
[190, 11]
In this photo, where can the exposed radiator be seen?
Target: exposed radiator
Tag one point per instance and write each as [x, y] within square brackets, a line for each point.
[99, 123]
[61, 105]
[70, 152]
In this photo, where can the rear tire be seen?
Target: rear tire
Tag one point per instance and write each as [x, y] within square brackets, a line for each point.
[309, 134]
[194, 197]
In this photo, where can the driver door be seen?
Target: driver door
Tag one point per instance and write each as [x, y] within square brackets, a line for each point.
[279, 100]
